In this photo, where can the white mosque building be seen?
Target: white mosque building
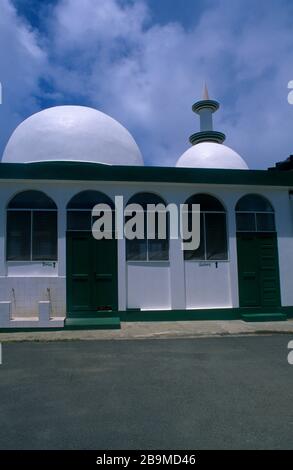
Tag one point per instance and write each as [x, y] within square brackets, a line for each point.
[62, 161]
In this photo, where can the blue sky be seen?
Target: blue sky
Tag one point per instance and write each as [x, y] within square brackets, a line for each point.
[144, 63]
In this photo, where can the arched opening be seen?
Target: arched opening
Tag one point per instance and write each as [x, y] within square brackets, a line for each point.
[154, 243]
[91, 264]
[79, 210]
[31, 229]
[213, 229]
[257, 252]
[254, 213]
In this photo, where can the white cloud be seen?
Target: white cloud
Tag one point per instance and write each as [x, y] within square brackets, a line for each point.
[113, 55]
[22, 63]
[79, 24]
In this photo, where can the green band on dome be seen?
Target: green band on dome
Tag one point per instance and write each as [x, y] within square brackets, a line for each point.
[205, 104]
[207, 136]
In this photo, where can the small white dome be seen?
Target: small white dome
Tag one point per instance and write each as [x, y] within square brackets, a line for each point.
[211, 155]
[72, 133]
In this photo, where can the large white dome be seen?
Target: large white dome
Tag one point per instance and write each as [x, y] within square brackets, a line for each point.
[211, 155]
[74, 133]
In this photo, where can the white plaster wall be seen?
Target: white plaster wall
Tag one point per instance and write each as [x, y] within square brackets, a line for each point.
[32, 269]
[148, 286]
[189, 282]
[282, 205]
[207, 286]
[24, 293]
[176, 284]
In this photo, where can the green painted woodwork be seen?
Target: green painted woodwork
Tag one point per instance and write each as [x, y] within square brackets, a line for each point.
[91, 275]
[207, 136]
[77, 171]
[261, 317]
[246, 314]
[288, 311]
[203, 104]
[180, 315]
[109, 323]
[258, 270]
[204, 314]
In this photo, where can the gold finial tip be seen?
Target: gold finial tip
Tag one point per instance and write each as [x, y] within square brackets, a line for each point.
[205, 92]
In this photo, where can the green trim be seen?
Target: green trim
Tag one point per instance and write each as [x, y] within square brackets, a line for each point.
[207, 136]
[114, 318]
[179, 315]
[28, 330]
[201, 314]
[203, 104]
[288, 311]
[264, 317]
[76, 171]
[106, 323]
[258, 270]
[92, 280]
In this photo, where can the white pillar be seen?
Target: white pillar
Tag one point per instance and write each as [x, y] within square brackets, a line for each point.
[5, 314]
[177, 275]
[232, 239]
[61, 241]
[2, 240]
[44, 311]
[206, 120]
[122, 274]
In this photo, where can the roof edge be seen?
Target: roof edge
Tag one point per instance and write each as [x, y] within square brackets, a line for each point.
[73, 171]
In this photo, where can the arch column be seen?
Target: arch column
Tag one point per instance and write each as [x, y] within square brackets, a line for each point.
[2, 241]
[232, 240]
[61, 241]
[177, 266]
[122, 274]
[177, 275]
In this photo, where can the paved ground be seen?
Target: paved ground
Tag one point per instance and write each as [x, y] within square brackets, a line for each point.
[233, 392]
[152, 330]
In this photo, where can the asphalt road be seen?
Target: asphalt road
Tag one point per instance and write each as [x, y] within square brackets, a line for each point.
[221, 393]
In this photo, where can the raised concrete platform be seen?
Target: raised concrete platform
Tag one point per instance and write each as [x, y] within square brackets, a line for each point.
[103, 323]
[158, 330]
[263, 317]
[34, 322]
[43, 321]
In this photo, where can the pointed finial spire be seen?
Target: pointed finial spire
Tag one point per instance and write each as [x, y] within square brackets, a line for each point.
[205, 95]
[205, 108]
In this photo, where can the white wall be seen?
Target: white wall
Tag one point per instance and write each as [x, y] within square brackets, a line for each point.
[206, 285]
[282, 205]
[177, 284]
[24, 293]
[148, 286]
[31, 269]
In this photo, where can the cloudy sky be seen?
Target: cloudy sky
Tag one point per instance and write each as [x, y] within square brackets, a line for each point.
[144, 63]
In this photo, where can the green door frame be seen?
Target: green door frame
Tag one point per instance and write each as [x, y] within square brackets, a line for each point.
[91, 275]
[258, 270]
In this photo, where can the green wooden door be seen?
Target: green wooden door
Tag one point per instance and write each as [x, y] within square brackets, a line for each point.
[105, 274]
[91, 274]
[258, 270]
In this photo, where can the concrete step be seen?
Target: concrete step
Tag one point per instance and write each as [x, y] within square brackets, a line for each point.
[103, 323]
[259, 317]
